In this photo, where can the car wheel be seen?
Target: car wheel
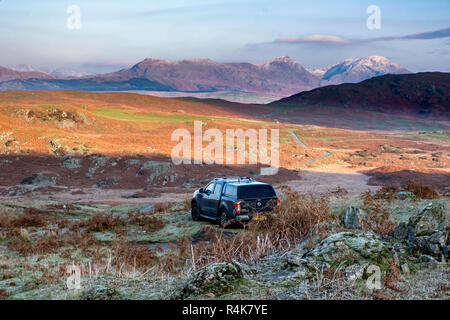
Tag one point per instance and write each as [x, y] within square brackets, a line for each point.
[195, 212]
[224, 219]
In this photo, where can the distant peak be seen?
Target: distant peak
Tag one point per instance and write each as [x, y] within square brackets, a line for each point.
[284, 59]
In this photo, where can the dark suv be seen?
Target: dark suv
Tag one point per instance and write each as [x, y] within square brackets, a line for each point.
[238, 198]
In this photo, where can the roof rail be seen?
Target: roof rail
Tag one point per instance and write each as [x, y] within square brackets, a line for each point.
[234, 178]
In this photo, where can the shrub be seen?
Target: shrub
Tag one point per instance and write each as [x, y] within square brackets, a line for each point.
[421, 190]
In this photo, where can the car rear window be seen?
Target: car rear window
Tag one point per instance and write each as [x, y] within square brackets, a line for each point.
[250, 192]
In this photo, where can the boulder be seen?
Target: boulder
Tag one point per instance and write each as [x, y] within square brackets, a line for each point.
[403, 195]
[107, 182]
[99, 292]
[355, 271]
[39, 180]
[72, 163]
[348, 248]
[428, 232]
[216, 279]
[430, 218]
[401, 231]
[354, 218]
[153, 169]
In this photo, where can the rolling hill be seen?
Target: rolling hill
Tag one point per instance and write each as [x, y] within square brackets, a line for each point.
[423, 94]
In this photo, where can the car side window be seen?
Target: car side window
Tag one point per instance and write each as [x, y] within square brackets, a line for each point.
[217, 189]
[230, 191]
[210, 188]
[224, 191]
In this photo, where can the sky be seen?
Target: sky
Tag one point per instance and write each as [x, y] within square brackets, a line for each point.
[118, 33]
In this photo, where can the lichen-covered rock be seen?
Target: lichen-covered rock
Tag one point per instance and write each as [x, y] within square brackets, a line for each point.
[348, 248]
[99, 292]
[72, 163]
[153, 169]
[216, 279]
[354, 218]
[403, 195]
[355, 271]
[428, 231]
[39, 180]
[401, 231]
[430, 218]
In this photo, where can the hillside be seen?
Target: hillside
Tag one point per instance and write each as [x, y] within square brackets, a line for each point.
[423, 94]
[10, 74]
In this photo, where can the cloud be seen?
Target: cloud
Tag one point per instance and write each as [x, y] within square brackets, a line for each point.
[315, 38]
[438, 34]
[328, 39]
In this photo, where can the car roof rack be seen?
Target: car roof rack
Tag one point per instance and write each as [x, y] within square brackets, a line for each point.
[235, 178]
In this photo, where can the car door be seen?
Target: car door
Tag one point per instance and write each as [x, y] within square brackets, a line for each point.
[214, 199]
[206, 204]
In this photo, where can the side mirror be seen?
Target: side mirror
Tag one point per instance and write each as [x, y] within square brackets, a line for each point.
[201, 190]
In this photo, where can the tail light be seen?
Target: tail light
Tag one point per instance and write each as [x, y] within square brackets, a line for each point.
[278, 204]
[237, 207]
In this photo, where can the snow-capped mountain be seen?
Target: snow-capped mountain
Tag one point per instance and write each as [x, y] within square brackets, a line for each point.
[356, 70]
[61, 72]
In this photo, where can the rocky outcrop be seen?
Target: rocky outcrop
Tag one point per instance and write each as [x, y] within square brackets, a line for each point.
[39, 180]
[216, 279]
[350, 251]
[153, 169]
[427, 232]
[99, 292]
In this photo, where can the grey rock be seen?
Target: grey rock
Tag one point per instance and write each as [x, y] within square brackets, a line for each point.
[400, 231]
[153, 169]
[72, 163]
[39, 180]
[348, 248]
[425, 258]
[354, 271]
[107, 182]
[403, 195]
[430, 218]
[216, 279]
[446, 252]
[99, 292]
[354, 218]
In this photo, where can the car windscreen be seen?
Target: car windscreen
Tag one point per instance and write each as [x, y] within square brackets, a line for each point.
[252, 192]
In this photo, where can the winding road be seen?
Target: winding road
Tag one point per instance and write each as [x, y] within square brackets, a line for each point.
[300, 142]
[296, 138]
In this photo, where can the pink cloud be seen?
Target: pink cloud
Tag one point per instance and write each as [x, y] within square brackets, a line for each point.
[315, 38]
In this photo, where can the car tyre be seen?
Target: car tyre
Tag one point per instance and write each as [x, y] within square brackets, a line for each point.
[195, 212]
[224, 218]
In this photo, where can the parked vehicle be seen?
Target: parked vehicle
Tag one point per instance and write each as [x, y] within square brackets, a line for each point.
[239, 198]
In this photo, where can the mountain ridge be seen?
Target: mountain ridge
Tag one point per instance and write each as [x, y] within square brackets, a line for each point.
[282, 76]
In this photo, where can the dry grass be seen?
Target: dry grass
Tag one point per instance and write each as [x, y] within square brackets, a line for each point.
[393, 276]
[378, 219]
[99, 222]
[4, 294]
[30, 218]
[421, 190]
[387, 192]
